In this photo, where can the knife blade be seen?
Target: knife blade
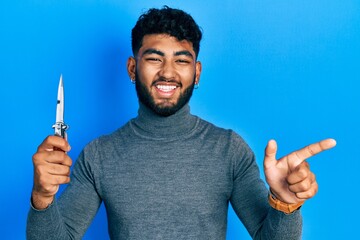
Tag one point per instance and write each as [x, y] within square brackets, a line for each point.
[60, 127]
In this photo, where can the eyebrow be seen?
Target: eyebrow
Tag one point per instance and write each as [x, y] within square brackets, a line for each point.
[160, 53]
[184, 52]
[153, 51]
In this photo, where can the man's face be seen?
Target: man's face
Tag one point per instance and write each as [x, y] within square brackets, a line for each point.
[165, 71]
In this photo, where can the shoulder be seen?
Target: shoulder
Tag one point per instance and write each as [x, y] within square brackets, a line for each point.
[107, 140]
[105, 143]
[230, 141]
[224, 133]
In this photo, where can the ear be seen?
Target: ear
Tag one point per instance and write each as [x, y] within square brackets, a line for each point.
[131, 67]
[198, 68]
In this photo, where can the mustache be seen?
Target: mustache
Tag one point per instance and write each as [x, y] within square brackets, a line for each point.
[164, 80]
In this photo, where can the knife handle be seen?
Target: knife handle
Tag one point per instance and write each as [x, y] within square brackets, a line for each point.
[60, 129]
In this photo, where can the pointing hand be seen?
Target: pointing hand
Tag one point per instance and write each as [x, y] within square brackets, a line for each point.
[290, 178]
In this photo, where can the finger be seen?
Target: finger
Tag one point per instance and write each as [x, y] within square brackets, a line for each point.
[315, 148]
[309, 193]
[47, 190]
[58, 169]
[52, 142]
[304, 185]
[57, 157]
[59, 179]
[48, 183]
[301, 172]
[270, 154]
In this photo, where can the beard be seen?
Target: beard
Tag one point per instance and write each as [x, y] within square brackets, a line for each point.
[166, 108]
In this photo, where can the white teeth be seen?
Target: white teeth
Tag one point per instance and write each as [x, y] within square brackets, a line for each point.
[165, 88]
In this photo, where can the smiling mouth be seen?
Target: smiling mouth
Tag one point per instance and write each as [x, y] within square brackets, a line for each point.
[166, 88]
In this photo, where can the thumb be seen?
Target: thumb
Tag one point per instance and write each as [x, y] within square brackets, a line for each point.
[270, 154]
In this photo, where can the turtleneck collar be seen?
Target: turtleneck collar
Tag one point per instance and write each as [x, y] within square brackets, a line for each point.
[151, 125]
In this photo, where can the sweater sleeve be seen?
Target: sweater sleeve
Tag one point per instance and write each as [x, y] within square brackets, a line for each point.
[71, 214]
[249, 200]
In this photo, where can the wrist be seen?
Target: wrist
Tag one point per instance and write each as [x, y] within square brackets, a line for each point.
[40, 202]
[279, 205]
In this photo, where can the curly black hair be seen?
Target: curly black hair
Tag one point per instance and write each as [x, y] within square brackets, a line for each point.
[166, 20]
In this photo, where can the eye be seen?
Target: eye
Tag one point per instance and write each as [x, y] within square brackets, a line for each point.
[183, 61]
[153, 59]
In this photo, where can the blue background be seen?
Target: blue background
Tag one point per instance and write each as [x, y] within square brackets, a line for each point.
[287, 70]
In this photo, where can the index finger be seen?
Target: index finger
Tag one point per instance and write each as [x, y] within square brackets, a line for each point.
[52, 142]
[315, 148]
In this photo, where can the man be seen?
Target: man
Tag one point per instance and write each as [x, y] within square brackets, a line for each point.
[167, 174]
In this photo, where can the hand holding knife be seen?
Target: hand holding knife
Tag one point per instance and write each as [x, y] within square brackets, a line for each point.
[51, 161]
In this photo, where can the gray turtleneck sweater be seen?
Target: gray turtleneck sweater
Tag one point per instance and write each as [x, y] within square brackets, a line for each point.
[165, 178]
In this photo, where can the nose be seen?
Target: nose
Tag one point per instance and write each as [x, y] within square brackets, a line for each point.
[167, 70]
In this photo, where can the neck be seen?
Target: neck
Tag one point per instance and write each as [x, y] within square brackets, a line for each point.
[152, 125]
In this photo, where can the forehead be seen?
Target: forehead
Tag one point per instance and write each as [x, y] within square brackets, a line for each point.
[165, 43]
